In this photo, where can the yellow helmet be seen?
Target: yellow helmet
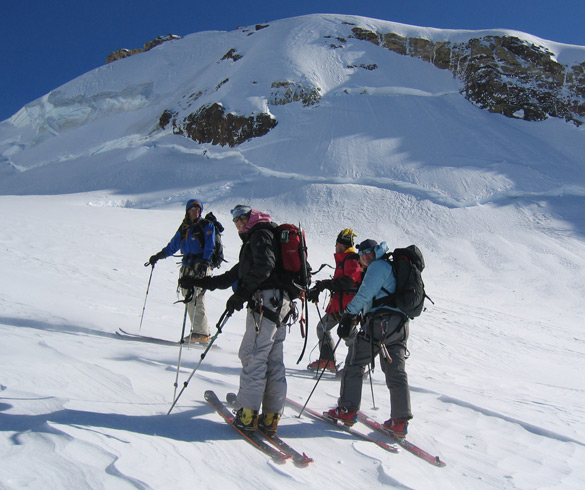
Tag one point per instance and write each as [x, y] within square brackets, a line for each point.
[345, 237]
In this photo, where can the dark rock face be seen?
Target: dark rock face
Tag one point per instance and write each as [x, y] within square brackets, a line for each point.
[286, 92]
[211, 124]
[501, 74]
[124, 53]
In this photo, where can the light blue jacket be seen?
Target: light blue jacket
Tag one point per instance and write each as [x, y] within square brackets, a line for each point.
[378, 275]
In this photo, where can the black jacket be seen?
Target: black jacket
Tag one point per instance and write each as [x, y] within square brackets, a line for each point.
[256, 267]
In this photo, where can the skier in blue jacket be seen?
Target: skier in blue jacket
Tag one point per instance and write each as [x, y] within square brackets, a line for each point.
[385, 332]
[196, 240]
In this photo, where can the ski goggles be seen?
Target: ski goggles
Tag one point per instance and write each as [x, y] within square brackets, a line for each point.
[240, 217]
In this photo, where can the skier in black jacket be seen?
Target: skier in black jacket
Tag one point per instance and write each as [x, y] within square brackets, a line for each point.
[256, 281]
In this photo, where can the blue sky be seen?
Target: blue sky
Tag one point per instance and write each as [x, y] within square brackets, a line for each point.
[46, 44]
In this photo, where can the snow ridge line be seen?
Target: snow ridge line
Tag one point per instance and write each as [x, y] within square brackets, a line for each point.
[539, 431]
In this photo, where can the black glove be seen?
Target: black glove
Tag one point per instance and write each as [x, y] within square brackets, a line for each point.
[322, 285]
[189, 282]
[345, 325]
[155, 258]
[313, 295]
[202, 268]
[234, 302]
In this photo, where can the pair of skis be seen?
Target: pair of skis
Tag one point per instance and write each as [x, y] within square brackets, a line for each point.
[278, 450]
[373, 424]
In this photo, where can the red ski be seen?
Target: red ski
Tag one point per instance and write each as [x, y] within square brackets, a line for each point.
[253, 438]
[404, 443]
[299, 459]
[342, 426]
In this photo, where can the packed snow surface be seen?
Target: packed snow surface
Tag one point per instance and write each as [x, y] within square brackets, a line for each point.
[90, 187]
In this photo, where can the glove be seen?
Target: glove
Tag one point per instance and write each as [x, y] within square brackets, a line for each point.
[322, 285]
[202, 269]
[234, 302]
[189, 282]
[155, 258]
[313, 295]
[345, 325]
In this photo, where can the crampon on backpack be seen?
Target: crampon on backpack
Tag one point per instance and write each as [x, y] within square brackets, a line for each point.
[295, 271]
[407, 264]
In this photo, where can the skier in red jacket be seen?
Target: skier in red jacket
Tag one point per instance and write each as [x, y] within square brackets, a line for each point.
[343, 286]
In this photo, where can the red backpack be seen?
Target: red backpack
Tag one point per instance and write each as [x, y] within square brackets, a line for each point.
[293, 256]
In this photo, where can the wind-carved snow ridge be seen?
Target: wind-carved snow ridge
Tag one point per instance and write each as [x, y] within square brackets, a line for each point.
[384, 473]
[421, 192]
[540, 431]
[389, 91]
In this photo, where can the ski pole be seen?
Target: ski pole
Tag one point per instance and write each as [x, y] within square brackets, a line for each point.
[322, 342]
[318, 344]
[319, 379]
[374, 407]
[222, 321]
[146, 297]
[306, 315]
[305, 271]
[181, 342]
[319, 313]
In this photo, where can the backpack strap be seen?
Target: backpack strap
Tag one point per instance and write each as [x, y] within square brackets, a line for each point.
[198, 231]
[352, 290]
[388, 300]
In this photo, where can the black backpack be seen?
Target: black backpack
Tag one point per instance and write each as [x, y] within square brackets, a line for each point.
[217, 256]
[407, 265]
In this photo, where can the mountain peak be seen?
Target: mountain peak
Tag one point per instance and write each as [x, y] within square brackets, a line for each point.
[124, 53]
[324, 95]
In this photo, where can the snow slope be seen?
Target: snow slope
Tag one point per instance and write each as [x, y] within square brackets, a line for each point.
[89, 189]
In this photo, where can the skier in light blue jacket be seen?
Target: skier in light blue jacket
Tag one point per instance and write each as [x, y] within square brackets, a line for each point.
[384, 331]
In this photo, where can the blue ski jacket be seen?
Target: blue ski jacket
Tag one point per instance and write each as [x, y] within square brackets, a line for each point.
[189, 239]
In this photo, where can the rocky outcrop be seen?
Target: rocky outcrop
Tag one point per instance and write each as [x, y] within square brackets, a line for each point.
[286, 92]
[124, 53]
[211, 124]
[232, 54]
[502, 74]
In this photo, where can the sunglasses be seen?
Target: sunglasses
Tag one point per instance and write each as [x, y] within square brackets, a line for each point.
[365, 251]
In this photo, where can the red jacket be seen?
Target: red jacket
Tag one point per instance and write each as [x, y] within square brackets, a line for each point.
[346, 280]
